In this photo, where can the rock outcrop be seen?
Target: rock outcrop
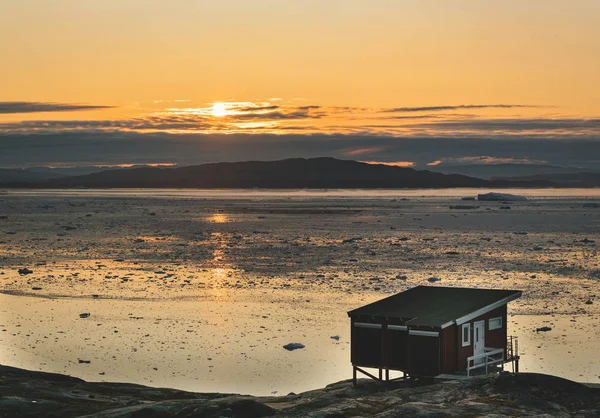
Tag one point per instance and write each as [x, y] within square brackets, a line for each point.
[34, 394]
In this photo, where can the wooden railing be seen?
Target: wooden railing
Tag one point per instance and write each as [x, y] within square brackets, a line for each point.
[512, 352]
[490, 356]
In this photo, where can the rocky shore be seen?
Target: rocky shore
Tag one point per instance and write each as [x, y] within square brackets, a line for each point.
[35, 394]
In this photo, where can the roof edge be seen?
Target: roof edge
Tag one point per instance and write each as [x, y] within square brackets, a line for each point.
[485, 309]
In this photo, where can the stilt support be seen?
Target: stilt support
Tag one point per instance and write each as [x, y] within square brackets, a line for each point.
[356, 370]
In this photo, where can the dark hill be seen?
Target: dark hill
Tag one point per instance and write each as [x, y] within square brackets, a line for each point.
[582, 179]
[17, 175]
[297, 173]
[509, 170]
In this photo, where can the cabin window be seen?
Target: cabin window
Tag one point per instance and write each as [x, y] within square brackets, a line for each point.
[495, 323]
[466, 335]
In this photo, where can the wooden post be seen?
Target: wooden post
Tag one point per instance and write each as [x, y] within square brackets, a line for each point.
[384, 351]
[517, 365]
[387, 375]
[408, 356]
[353, 375]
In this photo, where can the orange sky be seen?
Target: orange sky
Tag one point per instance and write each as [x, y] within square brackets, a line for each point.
[345, 52]
[315, 66]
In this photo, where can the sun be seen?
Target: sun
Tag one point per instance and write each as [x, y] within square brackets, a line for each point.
[219, 109]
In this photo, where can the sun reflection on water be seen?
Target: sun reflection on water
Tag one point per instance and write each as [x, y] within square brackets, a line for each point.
[218, 218]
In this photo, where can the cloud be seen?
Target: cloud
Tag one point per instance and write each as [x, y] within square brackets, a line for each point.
[438, 116]
[36, 107]
[392, 163]
[267, 131]
[363, 151]
[178, 120]
[134, 147]
[157, 122]
[514, 127]
[268, 117]
[411, 117]
[487, 160]
[299, 114]
[274, 112]
[281, 119]
[458, 107]
[255, 109]
[514, 124]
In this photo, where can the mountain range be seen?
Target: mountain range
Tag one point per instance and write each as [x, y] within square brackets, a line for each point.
[507, 170]
[313, 173]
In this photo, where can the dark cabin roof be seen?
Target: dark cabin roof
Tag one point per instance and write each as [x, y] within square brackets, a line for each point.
[434, 306]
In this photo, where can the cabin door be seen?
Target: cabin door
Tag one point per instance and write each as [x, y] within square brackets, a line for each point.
[479, 340]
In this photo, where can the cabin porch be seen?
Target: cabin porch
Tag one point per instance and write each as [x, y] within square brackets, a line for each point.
[491, 361]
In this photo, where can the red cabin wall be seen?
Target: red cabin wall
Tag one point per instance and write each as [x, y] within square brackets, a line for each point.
[448, 342]
[495, 338]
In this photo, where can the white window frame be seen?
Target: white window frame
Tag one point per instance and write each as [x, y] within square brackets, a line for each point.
[498, 326]
[462, 335]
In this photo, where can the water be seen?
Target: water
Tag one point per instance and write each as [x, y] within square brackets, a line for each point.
[299, 193]
[204, 287]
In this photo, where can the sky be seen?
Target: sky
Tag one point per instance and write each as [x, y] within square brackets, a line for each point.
[413, 83]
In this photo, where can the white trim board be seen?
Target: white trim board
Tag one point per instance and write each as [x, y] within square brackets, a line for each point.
[367, 325]
[398, 327]
[423, 333]
[484, 310]
[379, 326]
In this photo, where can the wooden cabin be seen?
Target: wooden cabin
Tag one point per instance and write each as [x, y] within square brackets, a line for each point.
[428, 331]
